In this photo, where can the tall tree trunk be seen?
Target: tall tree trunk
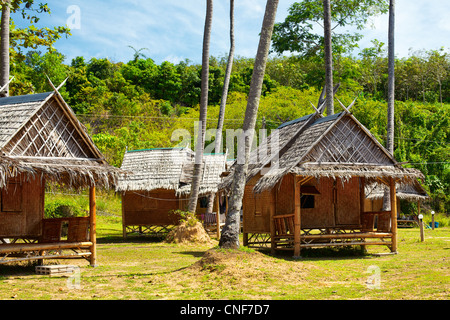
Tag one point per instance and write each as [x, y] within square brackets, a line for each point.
[391, 94]
[391, 79]
[226, 83]
[200, 145]
[231, 230]
[4, 48]
[328, 57]
[223, 101]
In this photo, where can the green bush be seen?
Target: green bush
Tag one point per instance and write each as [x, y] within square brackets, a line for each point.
[62, 208]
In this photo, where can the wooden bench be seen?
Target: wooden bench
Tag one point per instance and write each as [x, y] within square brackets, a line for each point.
[284, 233]
[51, 243]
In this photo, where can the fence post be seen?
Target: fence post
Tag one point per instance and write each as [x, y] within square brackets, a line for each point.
[421, 227]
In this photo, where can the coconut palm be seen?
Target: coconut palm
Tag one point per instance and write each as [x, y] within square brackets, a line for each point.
[4, 47]
[198, 165]
[223, 101]
[328, 57]
[230, 232]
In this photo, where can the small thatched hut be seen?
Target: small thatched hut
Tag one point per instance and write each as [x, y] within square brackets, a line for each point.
[41, 140]
[413, 192]
[305, 186]
[158, 183]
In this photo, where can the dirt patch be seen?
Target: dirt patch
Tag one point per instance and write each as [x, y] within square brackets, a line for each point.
[185, 232]
[250, 267]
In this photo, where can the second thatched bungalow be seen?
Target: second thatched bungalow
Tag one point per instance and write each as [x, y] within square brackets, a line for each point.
[308, 189]
[159, 184]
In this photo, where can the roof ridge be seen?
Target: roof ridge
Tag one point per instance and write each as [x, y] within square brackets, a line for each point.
[35, 97]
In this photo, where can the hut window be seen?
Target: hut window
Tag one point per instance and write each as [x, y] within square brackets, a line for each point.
[307, 201]
[11, 198]
[204, 202]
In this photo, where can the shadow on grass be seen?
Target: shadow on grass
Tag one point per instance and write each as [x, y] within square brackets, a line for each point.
[196, 254]
[130, 239]
[18, 269]
[311, 254]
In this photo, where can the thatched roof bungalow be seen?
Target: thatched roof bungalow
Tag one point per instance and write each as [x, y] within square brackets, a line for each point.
[307, 188]
[41, 140]
[159, 183]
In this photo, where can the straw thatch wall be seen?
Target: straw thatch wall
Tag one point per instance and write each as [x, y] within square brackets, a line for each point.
[170, 169]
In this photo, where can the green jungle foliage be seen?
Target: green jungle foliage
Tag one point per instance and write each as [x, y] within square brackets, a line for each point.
[140, 104]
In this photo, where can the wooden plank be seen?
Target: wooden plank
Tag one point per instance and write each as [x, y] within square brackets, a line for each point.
[24, 247]
[343, 244]
[348, 235]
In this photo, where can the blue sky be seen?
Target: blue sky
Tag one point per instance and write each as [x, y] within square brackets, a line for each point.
[172, 30]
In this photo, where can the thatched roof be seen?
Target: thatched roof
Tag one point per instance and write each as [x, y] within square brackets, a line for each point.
[337, 146]
[410, 192]
[41, 136]
[169, 168]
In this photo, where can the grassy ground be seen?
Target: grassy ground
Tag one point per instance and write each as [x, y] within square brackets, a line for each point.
[145, 269]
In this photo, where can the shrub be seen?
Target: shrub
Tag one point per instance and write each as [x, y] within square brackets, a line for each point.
[62, 208]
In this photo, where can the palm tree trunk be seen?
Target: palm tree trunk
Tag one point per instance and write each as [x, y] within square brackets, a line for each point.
[391, 94]
[391, 79]
[223, 101]
[4, 48]
[231, 230]
[198, 165]
[328, 57]
[226, 83]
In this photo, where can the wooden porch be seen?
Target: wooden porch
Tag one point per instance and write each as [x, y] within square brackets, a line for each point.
[284, 234]
[288, 232]
[61, 238]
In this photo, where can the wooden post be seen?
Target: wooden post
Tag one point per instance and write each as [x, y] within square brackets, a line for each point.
[124, 228]
[218, 215]
[93, 222]
[297, 221]
[432, 220]
[362, 198]
[393, 196]
[422, 238]
[272, 214]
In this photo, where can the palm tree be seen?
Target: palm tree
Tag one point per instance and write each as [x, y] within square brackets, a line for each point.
[223, 101]
[328, 57]
[4, 47]
[137, 53]
[226, 83]
[198, 166]
[391, 78]
[391, 94]
[230, 232]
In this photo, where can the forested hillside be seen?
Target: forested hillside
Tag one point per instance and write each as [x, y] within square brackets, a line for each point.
[139, 104]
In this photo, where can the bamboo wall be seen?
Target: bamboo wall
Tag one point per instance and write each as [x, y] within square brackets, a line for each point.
[322, 215]
[256, 209]
[337, 205]
[22, 208]
[150, 208]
